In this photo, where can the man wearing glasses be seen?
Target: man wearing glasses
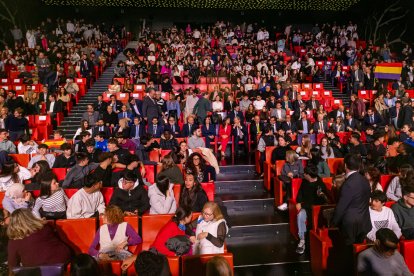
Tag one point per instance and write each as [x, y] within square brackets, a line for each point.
[404, 211]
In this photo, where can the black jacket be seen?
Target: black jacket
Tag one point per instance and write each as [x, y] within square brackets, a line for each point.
[135, 199]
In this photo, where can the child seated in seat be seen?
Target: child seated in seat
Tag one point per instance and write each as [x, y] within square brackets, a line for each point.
[113, 237]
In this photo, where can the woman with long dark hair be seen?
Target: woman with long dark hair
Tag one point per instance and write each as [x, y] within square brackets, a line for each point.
[161, 197]
[192, 194]
[197, 165]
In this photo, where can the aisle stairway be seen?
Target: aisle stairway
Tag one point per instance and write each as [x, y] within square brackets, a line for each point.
[259, 237]
[71, 123]
[336, 93]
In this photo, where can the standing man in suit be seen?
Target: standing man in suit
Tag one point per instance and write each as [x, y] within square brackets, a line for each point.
[149, 106]
[357, 78]
[52, 108]
[202, 106]
[86, 69]
[136, 107]
[352, 210]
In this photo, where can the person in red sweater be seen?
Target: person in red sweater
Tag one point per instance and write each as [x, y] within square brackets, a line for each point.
[175, 227]
[33, 242]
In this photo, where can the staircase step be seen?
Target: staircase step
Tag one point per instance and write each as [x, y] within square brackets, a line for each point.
[249, 206]
[239, 186]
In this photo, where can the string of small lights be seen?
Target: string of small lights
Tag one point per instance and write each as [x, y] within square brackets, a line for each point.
[304, 5]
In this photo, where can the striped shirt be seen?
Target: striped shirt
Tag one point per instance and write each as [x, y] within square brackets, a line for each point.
[57, 202]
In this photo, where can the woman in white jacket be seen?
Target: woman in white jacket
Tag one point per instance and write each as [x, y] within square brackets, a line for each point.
[211, 231]
[161, 197]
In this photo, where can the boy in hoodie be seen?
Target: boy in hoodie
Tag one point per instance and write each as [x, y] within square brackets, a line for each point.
[168, 142]
[130, 196]
[404, 210]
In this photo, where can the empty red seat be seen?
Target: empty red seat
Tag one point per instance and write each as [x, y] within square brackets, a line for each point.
[77, 233]
[151, 225]
[407, 250]
[60, 173]
[209, 188]
[107, 194]
[22, 159]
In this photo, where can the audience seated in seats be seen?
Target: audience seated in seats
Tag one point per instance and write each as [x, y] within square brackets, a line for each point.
[88, 201]
[110, 117]
[394, 190]
[33, 242]
[355, 146]
[339, 150]
[120, 155]
[404, 156]
[211, 230]
[266, 140]
[177, 226]
[38, 172]
[325, 149]
[101, 141]
[224, 137]
[92, 152]
[133, 165]
[381, 216]
[52, 201]
[197, 165]
[208, 130]
[240, 134]
[125, 143]
[75, 178]
[373, 176]
[279, 153]
[17, 124]
[81, 146]
[161, 196]
[189, 127]
[6, 144]
[137, 130]
[173, 127]
[113, 237]
[42, 155]
[170, 170]
[130, 195]
[337, 181]
[293, 168]
[12, 173]
[101, 127]
[148, 263]
[312, 191]
[192, 194]
[84, 264]
[320, 163]
[66, 159]
[196, 140]
[26, 145]
[404, 211]
[383, 258]
[304, 150]
[16, 197]
[122, 128]
[168, 142]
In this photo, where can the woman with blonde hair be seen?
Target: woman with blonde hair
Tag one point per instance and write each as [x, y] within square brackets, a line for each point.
[304, 150]
[33, 242]
[113, 236]
[122, 128]
[211, 230]
[218, 266]
[170, 170]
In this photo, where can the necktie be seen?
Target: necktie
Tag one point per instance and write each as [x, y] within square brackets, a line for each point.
[136, 132]
[86, 65]
[258, 127]
[189, 130]
[125, 114]
[100, 128]
[313, 105]
[155, 129]
[372, 119]
[274, 128]
[321, 126]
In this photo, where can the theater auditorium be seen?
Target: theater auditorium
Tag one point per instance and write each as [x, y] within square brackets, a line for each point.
[205, 137]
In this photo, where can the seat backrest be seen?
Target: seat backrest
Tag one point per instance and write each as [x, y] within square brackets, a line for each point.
[279, 166]
[60, 173]
[177, 193]
[150, 173]
[107, 194]
[385, 181]
[196, 265]
[334, 163]
[2, 194]
[328, 182]
[49, 270]
[154, 156]
[269, 151]
[22, 159]
[407, 250]
[151, 225]
[77, 233]
[296, 183]
[70, 192]
[209, 188]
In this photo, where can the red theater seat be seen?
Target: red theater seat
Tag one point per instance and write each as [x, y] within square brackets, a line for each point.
[407, 250]
[209, 188]
[151, 225]
[70, 192]
[196, 265]
[107, 194]
[334, 163]
[150, 173]
[2, 194]
[385, 181]
[77, 233]
[60, 173]
[22, 159]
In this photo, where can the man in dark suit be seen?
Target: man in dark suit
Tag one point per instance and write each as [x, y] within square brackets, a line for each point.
[395, 113]
[406, 117]
[288, 126]
[352, 211]
[125, 114]
[189, 127]
[44, 95]
[320, 125]
[136, 107]
[256, 128]
[279, 92]
[304, 125]
[86, 67]
[100, 105]
[149, 106]
[357, 79]
[372, 119]
[116, 105]
[313, 103]
[155, 128]
[239, 133]
[100, 127]
[52, 108]
[236, 113]
[230, 104]
[340, 112]
[350, 123]
[137, 130]
[173, 127]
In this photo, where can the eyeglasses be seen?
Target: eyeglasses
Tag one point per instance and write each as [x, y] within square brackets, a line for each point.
[207, 214]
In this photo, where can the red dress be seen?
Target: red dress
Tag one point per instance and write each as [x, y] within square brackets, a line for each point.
[169, 230]
[224, 141]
